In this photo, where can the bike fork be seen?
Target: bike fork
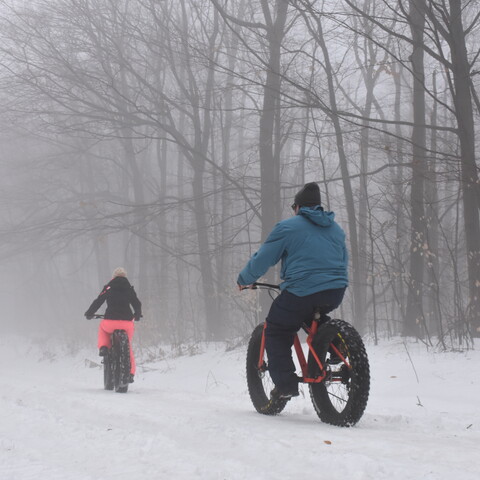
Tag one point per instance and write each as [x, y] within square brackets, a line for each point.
[261, 362]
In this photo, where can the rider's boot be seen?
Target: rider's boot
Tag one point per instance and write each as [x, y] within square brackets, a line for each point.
[284, 393]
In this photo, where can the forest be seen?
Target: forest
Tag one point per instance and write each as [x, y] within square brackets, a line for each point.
[170, 136]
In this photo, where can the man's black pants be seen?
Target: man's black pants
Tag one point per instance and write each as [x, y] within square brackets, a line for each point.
[287, 314]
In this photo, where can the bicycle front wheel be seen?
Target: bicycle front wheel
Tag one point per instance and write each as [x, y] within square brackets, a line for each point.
[259, 381]
[340, 399]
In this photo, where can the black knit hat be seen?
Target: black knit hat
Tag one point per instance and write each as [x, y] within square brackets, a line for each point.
[308, 196]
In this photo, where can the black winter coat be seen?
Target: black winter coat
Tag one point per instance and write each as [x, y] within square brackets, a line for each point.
[119, 295]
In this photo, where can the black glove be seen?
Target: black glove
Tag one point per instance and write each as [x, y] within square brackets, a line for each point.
[89, 317]
[138, 317]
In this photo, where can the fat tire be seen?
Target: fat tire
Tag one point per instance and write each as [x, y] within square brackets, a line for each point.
[259, 382]
[121, 349]
[108, 371]
[355, 382]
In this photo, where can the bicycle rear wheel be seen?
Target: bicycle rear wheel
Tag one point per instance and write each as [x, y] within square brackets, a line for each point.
[342, 396]
[121, 348]
[258, 379]
[108, 371]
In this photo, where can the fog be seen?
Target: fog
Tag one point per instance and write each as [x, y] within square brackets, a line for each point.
[169, 138]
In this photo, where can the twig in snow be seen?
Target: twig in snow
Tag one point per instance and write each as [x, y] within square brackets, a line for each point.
[411, 361]
[210, 376]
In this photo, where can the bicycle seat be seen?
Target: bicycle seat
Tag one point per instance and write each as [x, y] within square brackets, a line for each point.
[319, 315]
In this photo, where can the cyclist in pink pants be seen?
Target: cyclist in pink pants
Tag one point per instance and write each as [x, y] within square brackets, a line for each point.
[119, 295]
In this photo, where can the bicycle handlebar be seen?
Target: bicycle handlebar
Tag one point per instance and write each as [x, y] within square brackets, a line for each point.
[265, 285]
[260, 285]
[103, 316]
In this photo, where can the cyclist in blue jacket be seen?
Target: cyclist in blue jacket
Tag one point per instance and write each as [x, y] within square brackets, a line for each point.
[314, 264]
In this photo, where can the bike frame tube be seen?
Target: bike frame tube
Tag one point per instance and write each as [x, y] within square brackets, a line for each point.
[342, 358]
[301, 356]
[311, 335]
[262, 349]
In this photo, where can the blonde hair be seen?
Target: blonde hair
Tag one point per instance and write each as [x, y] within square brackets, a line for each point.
[119, 272]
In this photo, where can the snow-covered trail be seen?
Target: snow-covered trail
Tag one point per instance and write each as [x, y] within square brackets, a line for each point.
[191, 417]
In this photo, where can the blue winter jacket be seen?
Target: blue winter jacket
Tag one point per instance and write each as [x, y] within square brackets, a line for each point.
[311, 246]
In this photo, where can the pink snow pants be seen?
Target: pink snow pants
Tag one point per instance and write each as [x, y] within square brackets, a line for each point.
[107, 327]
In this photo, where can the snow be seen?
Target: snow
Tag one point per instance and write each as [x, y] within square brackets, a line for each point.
[191, 418]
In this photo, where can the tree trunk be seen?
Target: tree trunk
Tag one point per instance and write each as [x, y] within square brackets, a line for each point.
[269, 156]
[433, 313]
[359, 322]
[414, 315]
[469, 173]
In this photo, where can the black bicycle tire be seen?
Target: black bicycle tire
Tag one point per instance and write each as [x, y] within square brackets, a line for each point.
[357, 381]
[108, 375]
[122, 361]
[259, 396]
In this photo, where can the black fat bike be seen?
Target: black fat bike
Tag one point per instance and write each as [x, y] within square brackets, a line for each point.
[116, 362]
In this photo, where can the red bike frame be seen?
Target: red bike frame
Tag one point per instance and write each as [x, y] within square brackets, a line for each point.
[311, 331]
